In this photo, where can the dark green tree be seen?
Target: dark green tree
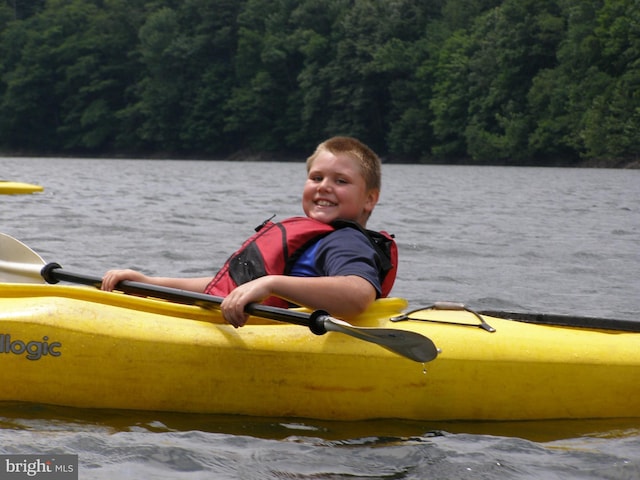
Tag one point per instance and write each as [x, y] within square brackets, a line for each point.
[358, 90]
[451, 95]
[315, 37]
[588, 105]
[212, 27]
[30, 107]
[186, 53]
[405, 61]
[65, 74]
[259, 112]
[362, 79]
[612, 121]
[512, 44]
[97, 74]
[21, 9]
[163, 52]
[560, 95]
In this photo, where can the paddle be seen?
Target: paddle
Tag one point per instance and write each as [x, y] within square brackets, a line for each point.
[18, 263]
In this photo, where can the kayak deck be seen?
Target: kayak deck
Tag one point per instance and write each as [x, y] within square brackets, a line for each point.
[80, 347]
[18, 188]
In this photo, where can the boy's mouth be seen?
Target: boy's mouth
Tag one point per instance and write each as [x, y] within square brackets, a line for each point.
[325, 203]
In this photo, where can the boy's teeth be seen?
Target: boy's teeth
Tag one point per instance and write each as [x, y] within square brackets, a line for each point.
[323, 203]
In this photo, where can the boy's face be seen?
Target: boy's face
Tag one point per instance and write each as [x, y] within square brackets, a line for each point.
[335, 188]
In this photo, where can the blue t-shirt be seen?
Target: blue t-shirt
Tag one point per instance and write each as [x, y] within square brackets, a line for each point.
[344, 252]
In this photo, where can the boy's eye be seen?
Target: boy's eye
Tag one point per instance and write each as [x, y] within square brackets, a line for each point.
[320, 178]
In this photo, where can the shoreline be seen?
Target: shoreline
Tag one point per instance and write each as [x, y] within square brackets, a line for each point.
[249, 156]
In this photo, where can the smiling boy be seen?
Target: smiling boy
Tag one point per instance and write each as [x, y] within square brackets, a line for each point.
[342, 272]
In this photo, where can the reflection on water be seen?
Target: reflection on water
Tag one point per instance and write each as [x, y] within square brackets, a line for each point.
[53, 418]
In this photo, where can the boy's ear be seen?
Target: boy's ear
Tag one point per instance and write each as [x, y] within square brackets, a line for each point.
[372, 199]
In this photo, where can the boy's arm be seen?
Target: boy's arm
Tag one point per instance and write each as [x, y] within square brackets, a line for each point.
[342, 296]
[113, 277]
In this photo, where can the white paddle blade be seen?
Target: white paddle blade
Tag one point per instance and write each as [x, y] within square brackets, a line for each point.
[18, 263]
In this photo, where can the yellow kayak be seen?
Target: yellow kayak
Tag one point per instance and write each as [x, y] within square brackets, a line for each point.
[81, 347]
[18, 188]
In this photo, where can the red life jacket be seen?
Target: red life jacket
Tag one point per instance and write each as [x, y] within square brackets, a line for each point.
[276, 246]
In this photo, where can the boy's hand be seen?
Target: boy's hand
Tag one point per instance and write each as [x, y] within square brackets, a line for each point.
[113, 277]
[233, 305]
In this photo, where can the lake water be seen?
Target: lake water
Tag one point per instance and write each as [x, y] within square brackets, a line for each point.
[528, 239]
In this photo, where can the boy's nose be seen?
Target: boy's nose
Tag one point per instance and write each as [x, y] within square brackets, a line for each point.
[325, 184]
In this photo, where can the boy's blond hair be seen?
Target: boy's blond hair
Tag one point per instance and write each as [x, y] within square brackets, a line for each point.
[366, 158]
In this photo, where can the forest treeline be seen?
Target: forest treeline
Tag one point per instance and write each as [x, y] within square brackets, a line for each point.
[486, 81]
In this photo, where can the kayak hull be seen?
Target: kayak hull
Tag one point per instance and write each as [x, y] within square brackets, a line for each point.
[80, 347]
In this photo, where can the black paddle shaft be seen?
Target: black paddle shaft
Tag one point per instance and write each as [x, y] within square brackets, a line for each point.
[53, 273]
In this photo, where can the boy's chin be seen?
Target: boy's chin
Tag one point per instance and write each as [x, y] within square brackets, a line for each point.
[322, 217]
